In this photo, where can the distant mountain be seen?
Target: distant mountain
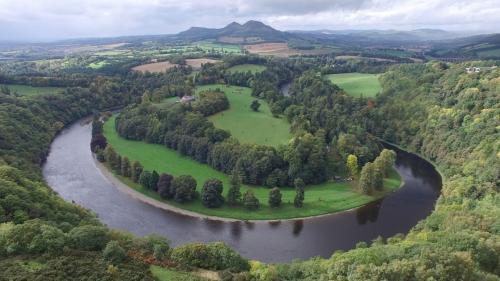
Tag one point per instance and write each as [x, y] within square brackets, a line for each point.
[417, 35]
[250, 32]
[486, 46]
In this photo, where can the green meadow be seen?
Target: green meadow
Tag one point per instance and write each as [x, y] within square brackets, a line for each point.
[253, 68]
[246, 125]
[31, 91]
[357, 84]
[320, 199]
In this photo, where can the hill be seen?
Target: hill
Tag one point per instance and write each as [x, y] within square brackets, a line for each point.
[250, 32]
[479, 46]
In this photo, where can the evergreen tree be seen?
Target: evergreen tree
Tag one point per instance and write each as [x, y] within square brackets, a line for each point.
[110, 155]
[211, 194]
[125, 169]
[184, 188]
[298, 202]
[234, 193]
[136, 171]
[145, 179]
[164, 186]
[255, 105]
[117, 166]
[153, 181]
[250, 201]
[275, 197]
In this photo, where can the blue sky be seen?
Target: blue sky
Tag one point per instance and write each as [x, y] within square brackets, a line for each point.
[56, 19]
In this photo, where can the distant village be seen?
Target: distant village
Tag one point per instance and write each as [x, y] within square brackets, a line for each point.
[478, 69]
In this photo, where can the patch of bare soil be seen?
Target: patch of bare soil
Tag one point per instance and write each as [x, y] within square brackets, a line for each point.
[271, 49]
[197, 63]
[154, 67]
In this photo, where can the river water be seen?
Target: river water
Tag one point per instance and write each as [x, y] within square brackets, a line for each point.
[70, 170]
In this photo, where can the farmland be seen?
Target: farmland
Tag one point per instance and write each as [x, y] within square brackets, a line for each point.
[357, 84]
[246, 125]
[271, 49]
[253, 68]
[154, 67]
[319, 199]
[197, 63]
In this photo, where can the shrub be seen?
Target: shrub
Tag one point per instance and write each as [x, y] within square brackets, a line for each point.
[213, 256]
[113, 252]
[88, 237]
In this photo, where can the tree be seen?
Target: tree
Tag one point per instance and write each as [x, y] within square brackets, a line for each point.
[88, 237]
[211, 194]
[110, 155]
[250, 201]
[234, 193]
[118, 165]
[153, 181]
[255, 105]
[164, 186]
[275, 197]
[352, 165]
[98, 142]
[367, 178]
[145, 179]
[184, 188]
[125, 169]
[385, 161]
[298, 202]
[136, 171]
[113, 252]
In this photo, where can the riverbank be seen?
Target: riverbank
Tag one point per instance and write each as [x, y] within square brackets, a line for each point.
[131, 191]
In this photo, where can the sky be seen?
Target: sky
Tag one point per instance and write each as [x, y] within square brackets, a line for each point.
[43, 20]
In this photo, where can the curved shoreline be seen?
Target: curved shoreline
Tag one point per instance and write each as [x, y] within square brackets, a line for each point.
[122, 187]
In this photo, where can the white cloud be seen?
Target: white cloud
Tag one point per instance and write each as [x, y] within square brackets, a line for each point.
[50, 19]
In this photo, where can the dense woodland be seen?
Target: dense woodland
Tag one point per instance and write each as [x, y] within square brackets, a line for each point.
[435, 109]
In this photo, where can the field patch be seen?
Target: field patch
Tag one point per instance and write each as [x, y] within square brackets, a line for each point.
[357, 84]
[154, 67]
[31, 91]
[245, 124]
[320, 199]
[271, 49]
[253, 68]
[197, 63]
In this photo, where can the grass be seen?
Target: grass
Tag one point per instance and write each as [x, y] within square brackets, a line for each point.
[357, 84]
[320, 199]
[253, 68]
[166, 274]
[98, 64]
[219, 47]
[245, 124]
[31, 91]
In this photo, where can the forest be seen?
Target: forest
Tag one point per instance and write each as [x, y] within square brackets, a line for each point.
[434, 109]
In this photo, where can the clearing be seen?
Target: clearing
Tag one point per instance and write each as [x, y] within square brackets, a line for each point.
[197, 63]
[154, 67]
[31, 91]
[320, 199]
[357, 84]
[245, 124]
[253, 68]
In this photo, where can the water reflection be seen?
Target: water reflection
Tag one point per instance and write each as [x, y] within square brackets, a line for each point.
[70, 170]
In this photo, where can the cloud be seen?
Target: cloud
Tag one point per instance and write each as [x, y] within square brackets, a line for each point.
[53, 19]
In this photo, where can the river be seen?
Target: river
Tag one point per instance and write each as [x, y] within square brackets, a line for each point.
[71, 171]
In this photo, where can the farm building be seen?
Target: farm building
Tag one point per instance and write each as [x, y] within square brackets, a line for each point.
[186, 99]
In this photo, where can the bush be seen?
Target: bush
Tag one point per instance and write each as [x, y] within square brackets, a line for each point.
[88, 237]
[213, 256]
[211, 194]
[250, 201]
[113, 252]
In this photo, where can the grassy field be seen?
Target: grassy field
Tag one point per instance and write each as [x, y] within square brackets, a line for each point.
[253, 68]
[245, 124]
[219, 47]
[320, 199]
[357, 84]
[31, 91]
